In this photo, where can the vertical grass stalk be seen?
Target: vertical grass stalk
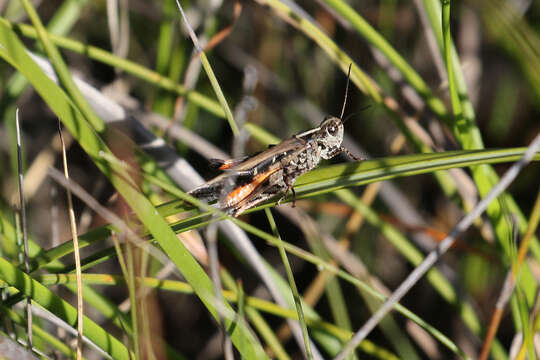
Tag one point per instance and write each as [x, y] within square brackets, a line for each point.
[292, 283]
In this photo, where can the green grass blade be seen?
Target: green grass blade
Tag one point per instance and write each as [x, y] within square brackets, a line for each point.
[292, 284]
[321, 181]
[379, 42]
[469, 135]
[132, 68]
[53, 303]
[210, 73]
[39, 332]
[13, 52]
[62, 70]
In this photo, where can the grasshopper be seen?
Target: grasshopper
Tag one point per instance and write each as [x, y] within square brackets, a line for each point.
[251, 180]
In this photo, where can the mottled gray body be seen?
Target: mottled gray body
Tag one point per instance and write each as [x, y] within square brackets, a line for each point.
[248, 182]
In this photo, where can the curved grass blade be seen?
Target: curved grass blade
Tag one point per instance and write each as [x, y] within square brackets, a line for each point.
[319, 181]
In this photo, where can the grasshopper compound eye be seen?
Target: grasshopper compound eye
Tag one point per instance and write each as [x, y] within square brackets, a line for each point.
[332, 127]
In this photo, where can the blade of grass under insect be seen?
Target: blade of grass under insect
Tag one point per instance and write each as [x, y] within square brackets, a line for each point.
[14, 53]
[330, 178]
[292, 284]
[320, 181]
[132, 68]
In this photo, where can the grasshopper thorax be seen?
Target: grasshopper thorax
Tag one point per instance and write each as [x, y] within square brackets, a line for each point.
[330, 136]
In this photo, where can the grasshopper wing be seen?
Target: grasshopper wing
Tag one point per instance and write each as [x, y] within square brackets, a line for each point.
[243, 177]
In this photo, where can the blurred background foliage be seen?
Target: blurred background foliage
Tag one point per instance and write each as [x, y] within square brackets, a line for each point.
[276, 77]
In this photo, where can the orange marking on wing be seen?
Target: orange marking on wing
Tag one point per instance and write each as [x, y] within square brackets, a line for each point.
[227, 164]
[241, 192]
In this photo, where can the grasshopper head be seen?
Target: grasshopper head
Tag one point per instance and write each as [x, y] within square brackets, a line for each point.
[330, 136]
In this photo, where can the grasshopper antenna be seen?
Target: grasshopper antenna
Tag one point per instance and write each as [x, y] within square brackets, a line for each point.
[356, 113]
[346, 91]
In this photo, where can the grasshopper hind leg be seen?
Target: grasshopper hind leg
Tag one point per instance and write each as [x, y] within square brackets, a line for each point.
[262, 194]
[238, 210]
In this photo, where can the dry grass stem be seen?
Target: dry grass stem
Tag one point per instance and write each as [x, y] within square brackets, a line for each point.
[76, 253]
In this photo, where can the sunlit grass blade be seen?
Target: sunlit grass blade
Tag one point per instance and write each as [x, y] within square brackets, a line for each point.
[324, 180]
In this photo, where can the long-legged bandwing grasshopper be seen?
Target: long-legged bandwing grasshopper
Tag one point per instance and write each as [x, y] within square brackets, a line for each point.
[251, 180]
